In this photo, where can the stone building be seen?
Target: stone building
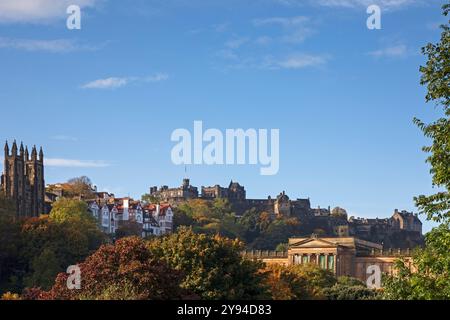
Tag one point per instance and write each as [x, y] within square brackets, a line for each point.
[344, 256]
[404, 220]
[153, 219]
[175, 195]
[22, 180]
[234, 192]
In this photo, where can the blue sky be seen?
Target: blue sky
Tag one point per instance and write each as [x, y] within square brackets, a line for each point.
[104, 100]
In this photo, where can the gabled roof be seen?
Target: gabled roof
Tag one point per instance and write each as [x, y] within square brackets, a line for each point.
[348, 242]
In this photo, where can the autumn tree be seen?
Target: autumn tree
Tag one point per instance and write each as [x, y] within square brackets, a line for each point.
[128, 229]
[79, 187]
[49, 247]
[9, 246]
[127, 270]
[286, 284]
[213, 266]
[66, 209]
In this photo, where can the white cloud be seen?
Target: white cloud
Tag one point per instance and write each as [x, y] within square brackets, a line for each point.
[285, 22]
[236, 43]
[108, 83]
[384, 4]
[117, 82]
[71, 163]
[393, 51]
[38, 11]
[296, 29]
[64, 138]
[52, 46]
[299, 61]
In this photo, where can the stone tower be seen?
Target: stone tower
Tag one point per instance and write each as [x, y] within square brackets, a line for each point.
[23, 180]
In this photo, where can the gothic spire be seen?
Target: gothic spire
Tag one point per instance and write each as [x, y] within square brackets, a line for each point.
[41, 154]
[14, 148]
[27, 157]
[21, 149]
[34, 153]
[6, 149]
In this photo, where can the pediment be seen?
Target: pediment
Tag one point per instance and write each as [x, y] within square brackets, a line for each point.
[313, 243]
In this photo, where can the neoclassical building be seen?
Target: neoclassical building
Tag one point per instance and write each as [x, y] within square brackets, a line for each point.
[344, 256]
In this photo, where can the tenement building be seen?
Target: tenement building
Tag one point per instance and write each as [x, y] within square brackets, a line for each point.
[22, 180]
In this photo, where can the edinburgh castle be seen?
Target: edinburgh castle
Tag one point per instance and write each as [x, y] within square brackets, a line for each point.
[22, 180]
[402, 230]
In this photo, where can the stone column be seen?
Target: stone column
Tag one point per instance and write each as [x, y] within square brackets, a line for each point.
[335, 263]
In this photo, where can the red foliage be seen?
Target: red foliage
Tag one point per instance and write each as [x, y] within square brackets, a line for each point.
[127, 265]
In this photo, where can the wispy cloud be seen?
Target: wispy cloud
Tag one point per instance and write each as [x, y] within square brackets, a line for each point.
[53, 46]
[62, 137]
[107, 83]
[384, 4]
[236, 42]
[39, 11]
[72, 163]
[391, 52]
[296, 61]
[295, 29]
[117, 82]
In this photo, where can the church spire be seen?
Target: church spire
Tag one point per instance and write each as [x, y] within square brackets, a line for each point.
[14, 148]
[6, 149]
[41, 154]
[34, 153]
[21, 149]
[27, 156]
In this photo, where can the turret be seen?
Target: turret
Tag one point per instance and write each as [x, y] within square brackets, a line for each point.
[21, 150]
[41, 155]
[14, 149]
[6, 149]
[27, 156]
[34, 154]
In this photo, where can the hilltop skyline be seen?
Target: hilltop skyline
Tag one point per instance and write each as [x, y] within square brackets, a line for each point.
[104, 100]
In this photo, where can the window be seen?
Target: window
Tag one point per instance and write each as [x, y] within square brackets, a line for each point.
[331, 262]
[305, 259]
[323, 261]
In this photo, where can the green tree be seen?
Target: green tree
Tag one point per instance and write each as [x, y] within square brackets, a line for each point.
[7, 210]
[149, 198]
[282, 247]
[436, 76]
[9, 247]
[428, 279]
[427, 275]
[59, 244]
[318, 279]
[66, 209]
[45, 267]
[213, 266]
[348, 288]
